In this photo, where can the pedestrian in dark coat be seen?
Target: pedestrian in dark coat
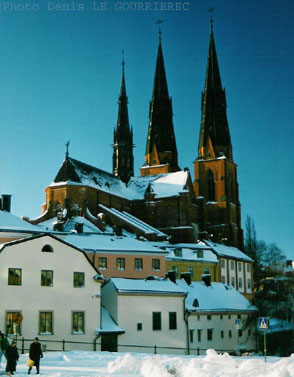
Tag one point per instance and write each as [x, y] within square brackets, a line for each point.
[35, 354]
[12, 357]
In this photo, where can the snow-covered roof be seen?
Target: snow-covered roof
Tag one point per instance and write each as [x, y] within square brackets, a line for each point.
[162, 286]
[165, 185]
[74, 172]
[70, 223]
[133, 222]
[11, 222]
[107, 242]
[108, 324]
[228, 251]
[216, 297]
[192, 255]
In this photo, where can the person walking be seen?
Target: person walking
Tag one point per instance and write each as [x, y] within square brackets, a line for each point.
[12, 356]
[35, 354]
[3, 346]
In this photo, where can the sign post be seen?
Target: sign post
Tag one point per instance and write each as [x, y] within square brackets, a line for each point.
[16, 319]
[263, 325]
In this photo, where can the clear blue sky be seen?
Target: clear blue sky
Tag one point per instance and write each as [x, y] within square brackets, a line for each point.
[60, 75]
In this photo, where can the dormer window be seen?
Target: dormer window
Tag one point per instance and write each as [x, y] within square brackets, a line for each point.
[47, 249]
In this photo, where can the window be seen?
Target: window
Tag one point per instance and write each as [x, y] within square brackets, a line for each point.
[78, 322]
[138, 264]
[79, 279]
[46, 323]
[239, 266]
[199, 335]
[47, 278]
[206, 270]
[221, 316]
[47, 249]
[172, 320]
[210, 186]
[176, 269]
[248, 283]
[230, 333]
[11, 327]
[222, 334]
[223, 263]
[191, 270]
[229, 316]
[199, 253]
[139, 326]
[240, 333]
[223, 279]
[178, 252]
[232, 265]
[155, 264]
[232, 281]
[240, 282]
[191, 335]
[14, 276]
[209, 317]
[156, 320]
[239, 316]
[102, 262]
[248, 267]
[209, 334]
[120, 263]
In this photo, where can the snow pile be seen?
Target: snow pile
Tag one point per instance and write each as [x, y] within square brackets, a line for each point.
[107, 364]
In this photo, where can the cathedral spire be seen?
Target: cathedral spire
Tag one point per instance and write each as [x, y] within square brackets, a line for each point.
[123, 160]
[161, 152]
[214, 132]
[215, 173]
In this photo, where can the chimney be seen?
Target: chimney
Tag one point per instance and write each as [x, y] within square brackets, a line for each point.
[117, 229]
[207, 279]
[79, 227]
[6, 203]
[171, 275]
[187, 277]
[58, 226]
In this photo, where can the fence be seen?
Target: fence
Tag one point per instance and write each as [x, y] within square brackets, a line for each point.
[64, 345]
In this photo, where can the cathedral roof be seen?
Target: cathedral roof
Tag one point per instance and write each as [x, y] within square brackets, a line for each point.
[74, 172]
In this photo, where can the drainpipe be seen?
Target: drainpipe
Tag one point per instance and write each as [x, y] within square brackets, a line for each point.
[95, 341]
[186, 318]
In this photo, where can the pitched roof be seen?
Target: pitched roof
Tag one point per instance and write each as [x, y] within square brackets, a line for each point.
[74, 172]
[10, 222]
[43, 235]
[107, 242]
[156, 286]
[228, 251]
[217, 297]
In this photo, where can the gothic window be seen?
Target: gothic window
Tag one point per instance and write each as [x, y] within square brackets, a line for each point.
[211, 187]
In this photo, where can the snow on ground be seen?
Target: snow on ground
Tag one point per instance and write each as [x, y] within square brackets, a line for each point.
[106, 364]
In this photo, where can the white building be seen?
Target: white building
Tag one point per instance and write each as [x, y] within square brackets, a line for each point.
[151, 314]
[217, 315]
[55, 288]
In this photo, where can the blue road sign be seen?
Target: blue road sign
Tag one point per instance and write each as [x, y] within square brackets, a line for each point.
[263, 323]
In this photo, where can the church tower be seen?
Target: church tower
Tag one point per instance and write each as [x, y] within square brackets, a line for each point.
[161, 151]
[123, 159]
[215, 173]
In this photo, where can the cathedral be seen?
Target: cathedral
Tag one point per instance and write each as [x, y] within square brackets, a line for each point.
[164, 198]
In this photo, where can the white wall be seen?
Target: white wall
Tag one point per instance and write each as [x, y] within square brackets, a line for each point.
[133, 309]
[226, 324]
[62, 298]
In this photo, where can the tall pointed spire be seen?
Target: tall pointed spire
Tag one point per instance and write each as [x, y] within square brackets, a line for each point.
[215, 173]
[214, 124]
[161, 152]
[123, 160]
